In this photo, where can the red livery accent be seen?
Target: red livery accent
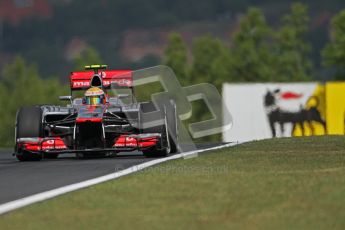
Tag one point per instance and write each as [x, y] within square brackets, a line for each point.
[43, 144]
[91, 119]
[81, 80]
[136, 141]
[126, 141]
[53, 144]
[148, 142]
[32, 146]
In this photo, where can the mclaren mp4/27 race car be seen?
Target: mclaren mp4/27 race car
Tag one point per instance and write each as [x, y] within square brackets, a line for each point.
[96, 123]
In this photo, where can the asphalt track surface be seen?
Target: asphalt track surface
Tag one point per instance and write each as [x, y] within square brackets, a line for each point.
[22, 179]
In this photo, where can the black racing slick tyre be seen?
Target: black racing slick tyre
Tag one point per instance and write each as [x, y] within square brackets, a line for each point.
[29, 124]
[154, 151]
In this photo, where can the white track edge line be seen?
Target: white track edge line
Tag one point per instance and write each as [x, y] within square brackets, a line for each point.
[12, 205]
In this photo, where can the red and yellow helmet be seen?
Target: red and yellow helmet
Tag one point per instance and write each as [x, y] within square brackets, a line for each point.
[94, 96]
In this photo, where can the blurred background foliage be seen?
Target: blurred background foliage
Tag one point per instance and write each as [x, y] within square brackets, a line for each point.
[21, 85]
[216, 41]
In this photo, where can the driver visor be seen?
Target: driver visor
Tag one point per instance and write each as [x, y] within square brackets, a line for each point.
[93, 100]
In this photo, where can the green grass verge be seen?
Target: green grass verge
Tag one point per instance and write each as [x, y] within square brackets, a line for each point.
[289, 183]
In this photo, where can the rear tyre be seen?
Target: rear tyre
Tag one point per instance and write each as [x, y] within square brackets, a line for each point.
[29, 124]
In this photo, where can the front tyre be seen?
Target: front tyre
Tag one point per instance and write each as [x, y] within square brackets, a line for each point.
[169, 134]
[28, 124]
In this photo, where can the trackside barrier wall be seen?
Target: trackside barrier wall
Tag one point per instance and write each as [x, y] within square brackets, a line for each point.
[304, 109]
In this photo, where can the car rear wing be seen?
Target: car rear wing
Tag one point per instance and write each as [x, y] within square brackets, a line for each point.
[82, 79]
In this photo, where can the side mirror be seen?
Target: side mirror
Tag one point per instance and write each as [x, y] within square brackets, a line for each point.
[66, 98]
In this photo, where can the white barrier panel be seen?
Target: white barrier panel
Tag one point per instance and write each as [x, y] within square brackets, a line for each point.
[251, 116]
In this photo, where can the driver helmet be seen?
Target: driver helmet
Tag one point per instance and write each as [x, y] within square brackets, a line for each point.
[94, 96]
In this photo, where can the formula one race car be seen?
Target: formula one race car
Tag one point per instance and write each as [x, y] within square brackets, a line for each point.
[96, 123]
